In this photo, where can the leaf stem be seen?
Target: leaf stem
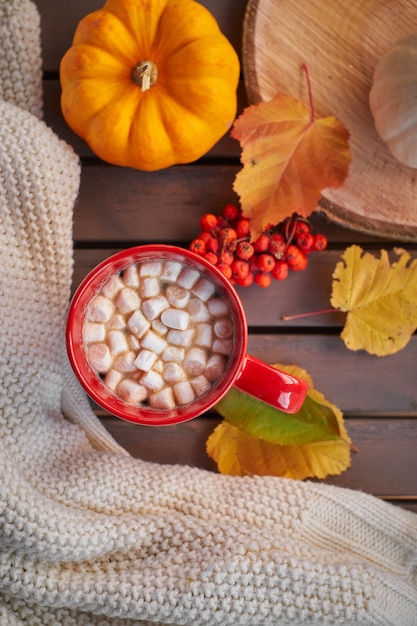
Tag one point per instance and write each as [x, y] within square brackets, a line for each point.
[308, 314]
[310, 92]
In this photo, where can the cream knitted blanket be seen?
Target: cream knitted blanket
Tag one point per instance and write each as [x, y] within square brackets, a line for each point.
[91, 536]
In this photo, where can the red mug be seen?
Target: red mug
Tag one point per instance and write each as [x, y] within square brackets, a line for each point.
[245, 372]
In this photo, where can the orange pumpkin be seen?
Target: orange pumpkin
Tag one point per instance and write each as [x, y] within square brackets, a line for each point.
[149, 83]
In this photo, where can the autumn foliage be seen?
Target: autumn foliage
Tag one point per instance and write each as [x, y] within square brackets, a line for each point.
[288, 158]
[255, 438]
[379, 298]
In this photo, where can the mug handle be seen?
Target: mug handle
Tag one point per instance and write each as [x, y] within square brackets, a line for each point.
[273, 386]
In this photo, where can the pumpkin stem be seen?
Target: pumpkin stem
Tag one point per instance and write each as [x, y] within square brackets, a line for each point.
[144, 74]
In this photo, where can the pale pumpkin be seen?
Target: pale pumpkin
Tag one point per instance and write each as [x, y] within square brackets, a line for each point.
[393, 100]
[149, 83]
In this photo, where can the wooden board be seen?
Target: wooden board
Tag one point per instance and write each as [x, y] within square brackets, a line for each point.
[372, 469]
[340, 42]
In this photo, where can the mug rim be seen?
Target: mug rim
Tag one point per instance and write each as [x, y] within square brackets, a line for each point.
[91, 381]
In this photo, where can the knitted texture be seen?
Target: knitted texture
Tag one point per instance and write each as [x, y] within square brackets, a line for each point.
[91, 536]
[20, 55]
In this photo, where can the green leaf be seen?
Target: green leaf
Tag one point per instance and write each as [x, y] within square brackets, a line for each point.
[314, 422]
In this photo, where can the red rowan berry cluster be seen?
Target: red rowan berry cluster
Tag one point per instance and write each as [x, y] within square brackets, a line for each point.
[225, 241]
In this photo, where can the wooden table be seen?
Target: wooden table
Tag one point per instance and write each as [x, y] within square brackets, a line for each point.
[120, 207]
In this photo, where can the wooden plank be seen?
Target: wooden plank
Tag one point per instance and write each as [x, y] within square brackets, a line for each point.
[290, 297]
[122, 204]
[386, 464]
[405, 503]
[358, 383]
[59, 19]
[358, 386]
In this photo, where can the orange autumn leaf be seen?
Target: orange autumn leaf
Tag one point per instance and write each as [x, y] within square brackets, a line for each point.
[288, 158]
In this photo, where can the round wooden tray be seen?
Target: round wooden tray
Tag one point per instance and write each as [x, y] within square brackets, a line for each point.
[340, 42]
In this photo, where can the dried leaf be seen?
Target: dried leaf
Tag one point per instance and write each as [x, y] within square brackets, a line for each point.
[380, 300]
[257, 439]
[288, 159]
[240, 454]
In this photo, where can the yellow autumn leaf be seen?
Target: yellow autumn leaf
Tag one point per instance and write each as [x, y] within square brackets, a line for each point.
[240, 454]
[379, 297]
[238, 451]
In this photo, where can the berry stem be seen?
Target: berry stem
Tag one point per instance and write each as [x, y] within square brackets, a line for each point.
[310, 92]
[309, 314]
[289, 235]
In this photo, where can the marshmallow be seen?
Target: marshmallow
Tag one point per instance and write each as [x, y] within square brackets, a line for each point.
[150, 268]
[112, 379]
[145, 360]
[124, 362]
[159, 327]
[112, 287]
[99, 357]
[204, 335]
[188, 278]
[131, 277]
[200, 385]
[173, 353]
[100, 309]
[178, 297]
[94, 332]
[215, 367]
[163, 399]
[170, 270]
[131, 392]
[152, 341]
[149, 287]
[117, 341]
[223, 328]
[181, 338]
[204, 289]
[127, 300]
[195, 361]
[175, 318]
[218, 306]
[183, 392]
[153, 307]
[117, 322]
[173, 373]
[134, 343]
[138, 324]
[223, 346]
[149, 332]
[152, 380]
[198, 310]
